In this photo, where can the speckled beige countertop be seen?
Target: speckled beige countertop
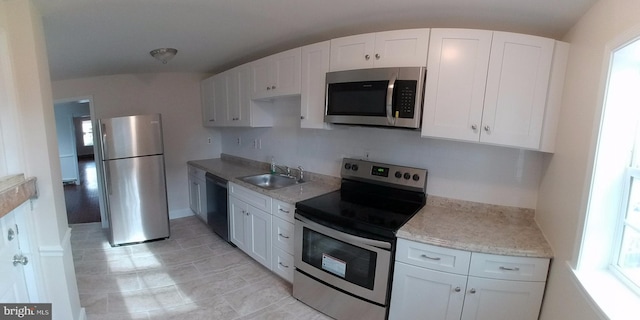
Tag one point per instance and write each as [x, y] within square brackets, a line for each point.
[231, 168]
[477, 227]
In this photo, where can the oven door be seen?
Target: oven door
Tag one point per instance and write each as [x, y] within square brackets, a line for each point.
[356, 265]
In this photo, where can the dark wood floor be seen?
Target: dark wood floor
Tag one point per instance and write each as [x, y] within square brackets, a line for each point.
[82, 200]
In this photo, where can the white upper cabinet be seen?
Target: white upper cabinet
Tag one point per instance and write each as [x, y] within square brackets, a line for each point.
[490, 87]
[398, 48]
[214, 104]
[276, 75]
[226, 100]
[456, 79]
[516, 92]
[315, 65]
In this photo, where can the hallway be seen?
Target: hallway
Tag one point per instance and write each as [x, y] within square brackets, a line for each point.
[82, 200]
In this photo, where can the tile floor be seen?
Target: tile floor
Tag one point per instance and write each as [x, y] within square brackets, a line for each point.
[192, 275]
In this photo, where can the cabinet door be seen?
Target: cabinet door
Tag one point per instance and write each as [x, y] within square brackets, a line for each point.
[237, 213]
[401, 48]
[282, 264]
[284, 73]
[258, 230]
[353, 52]
[456, 80]
[207, 92]
[220, 98]
[260, 84]
[516, 94]
[314, 67]
[420, 293]
[490, 299]
[239, 82]
[194, 195]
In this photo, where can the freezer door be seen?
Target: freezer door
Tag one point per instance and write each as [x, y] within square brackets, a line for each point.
[137, 199]
[131, 136]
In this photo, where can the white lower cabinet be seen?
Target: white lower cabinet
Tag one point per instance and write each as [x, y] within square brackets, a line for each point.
[434, 283]
[262, 227]
[250, 226]
[197, 192]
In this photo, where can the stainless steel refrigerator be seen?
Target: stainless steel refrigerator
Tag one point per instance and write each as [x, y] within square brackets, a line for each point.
[134, 178]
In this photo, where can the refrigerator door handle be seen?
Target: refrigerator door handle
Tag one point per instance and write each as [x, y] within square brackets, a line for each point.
[107, 177]
[104, 141]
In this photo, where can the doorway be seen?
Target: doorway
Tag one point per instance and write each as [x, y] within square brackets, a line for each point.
[78, 165]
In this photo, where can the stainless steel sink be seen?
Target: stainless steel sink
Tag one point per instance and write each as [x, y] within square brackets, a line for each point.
[270, 181]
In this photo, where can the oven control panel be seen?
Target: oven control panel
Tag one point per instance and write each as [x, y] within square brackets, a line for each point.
[399, 176]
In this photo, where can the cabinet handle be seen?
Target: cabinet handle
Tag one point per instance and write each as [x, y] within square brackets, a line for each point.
[212, 120]
[273, 87]
[367, 57]
[282, 235]
[268, 88]
[301, 117]
[280, 263]
[487, 128]
[430, 258]
[282, 210]
[377, 56]
[509, 269]
[472, 291]
[474, 127]
[11, 234]
[457, 289]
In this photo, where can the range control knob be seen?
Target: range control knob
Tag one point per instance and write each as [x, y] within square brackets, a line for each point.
[407, 176]
[347, 166]
[354, 167]
[398, 174]
[416, 177]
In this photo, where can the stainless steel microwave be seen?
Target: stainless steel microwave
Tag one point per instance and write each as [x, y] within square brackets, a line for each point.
[390, 97]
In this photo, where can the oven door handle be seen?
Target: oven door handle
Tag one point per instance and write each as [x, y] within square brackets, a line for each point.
[344, 236]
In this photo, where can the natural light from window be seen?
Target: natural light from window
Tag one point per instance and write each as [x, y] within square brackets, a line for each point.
[609, 262]
[87, 133]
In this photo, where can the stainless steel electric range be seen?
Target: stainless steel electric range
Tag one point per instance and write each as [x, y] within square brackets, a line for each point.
[345, 240]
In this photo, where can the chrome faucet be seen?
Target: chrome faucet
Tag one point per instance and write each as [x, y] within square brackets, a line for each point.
[285, 170]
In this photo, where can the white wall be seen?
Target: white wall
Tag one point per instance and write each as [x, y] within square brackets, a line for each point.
[460, 170]
[174, 95]
[35, 154]
[564, 188]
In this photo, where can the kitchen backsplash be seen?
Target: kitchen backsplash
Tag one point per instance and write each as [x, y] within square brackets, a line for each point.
[458, 170]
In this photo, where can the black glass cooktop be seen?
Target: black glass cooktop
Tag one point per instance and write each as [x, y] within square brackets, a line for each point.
[362, 208]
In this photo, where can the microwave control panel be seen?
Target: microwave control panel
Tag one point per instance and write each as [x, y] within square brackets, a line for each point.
[404, 98]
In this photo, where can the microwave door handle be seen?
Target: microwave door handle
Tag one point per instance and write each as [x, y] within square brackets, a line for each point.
[392, 83]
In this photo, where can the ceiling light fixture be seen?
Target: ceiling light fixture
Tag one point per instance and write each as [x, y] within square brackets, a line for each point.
[164, 54]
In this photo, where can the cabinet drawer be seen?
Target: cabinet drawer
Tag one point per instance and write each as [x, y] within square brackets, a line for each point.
[282, 264]
[196, 172]
[283, 210]
[508, 268]
[253, 198]
[282, 234]
[433, 257]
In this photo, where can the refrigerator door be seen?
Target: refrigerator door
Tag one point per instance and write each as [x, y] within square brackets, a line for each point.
[131, 136]
[136, 199]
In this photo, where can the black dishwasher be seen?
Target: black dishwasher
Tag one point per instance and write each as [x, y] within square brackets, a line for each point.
[217, 214]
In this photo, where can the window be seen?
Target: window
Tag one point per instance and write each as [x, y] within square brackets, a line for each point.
[611, 239]
[87, 133]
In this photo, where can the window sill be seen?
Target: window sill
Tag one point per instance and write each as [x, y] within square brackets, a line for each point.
[614, 299]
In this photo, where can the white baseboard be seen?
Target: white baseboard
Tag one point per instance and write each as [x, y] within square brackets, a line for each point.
[83, 314]
[180, 213]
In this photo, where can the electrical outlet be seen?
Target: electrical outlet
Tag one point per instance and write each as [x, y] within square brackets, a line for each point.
[209, 140]
[259, 143]
[255, 143]
[239, 141]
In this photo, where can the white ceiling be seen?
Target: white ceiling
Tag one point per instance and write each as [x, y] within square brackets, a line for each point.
[100, 37]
